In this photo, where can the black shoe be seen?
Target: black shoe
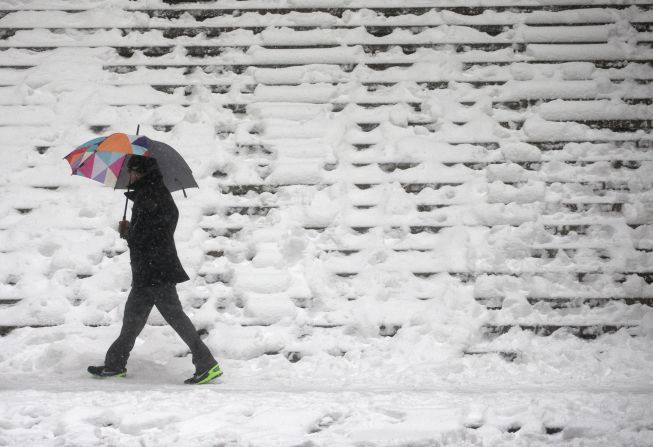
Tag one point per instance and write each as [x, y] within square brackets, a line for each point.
[200, 378]
[101, 371]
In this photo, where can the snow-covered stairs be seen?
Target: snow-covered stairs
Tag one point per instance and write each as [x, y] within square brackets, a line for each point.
[366, 168]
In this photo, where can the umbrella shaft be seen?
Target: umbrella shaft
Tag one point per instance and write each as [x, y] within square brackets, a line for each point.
[124, 214]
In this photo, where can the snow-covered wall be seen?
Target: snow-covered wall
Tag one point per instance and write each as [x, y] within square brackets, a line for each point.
[377, 178]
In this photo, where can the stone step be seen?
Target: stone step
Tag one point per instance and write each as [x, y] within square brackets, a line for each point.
[349, 63]
[555, 230]
[427, 79]
[547, 253]
[552, 146]
[547, 208]
[597, 186]
[544, 208]
[291, 37]
[582, 275]
[598, 63]
[120, 96]
[247, 85]
[626, 118]
[615, 125]
[542, 15]
[519, 100]
[591, 203]
[614, 164]
[470, 277]
[508, 94]
[255, 18]
[222, 31]
[370, 45]
[583, 331]
[581, 175]
[585, 171]
[211, 50]
[188, 68]
[177, 9]
[156, 46]
[544, 146]
[466, 215]
[7, 329]
[496, 303]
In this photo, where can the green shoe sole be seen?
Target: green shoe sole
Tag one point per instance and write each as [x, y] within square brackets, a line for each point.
[213, 373]
[115, 376]
[112, 376]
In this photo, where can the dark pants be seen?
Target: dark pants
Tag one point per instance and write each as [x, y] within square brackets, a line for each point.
[138, 307]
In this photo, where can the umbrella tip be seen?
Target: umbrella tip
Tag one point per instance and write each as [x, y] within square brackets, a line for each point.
[138, 129]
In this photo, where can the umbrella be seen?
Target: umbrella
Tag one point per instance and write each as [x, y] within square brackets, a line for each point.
[103, 159]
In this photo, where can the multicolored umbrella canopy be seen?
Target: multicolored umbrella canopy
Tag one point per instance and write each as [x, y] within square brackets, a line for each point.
[101, 159]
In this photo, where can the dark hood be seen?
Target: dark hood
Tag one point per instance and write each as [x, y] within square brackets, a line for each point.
[151, 178]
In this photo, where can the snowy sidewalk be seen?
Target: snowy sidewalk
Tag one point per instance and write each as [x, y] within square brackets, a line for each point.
[131, 412]
[379, 394]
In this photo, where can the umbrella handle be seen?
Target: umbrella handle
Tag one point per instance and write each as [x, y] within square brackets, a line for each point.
[124, 216]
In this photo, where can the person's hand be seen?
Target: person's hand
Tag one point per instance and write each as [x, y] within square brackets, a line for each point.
[123, 228]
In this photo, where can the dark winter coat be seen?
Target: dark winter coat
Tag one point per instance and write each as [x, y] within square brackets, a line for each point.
[153, 254]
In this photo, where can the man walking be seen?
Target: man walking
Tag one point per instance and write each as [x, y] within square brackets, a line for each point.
[156, 270]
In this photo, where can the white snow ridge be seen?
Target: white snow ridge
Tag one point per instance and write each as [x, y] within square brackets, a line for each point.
[419, 222]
